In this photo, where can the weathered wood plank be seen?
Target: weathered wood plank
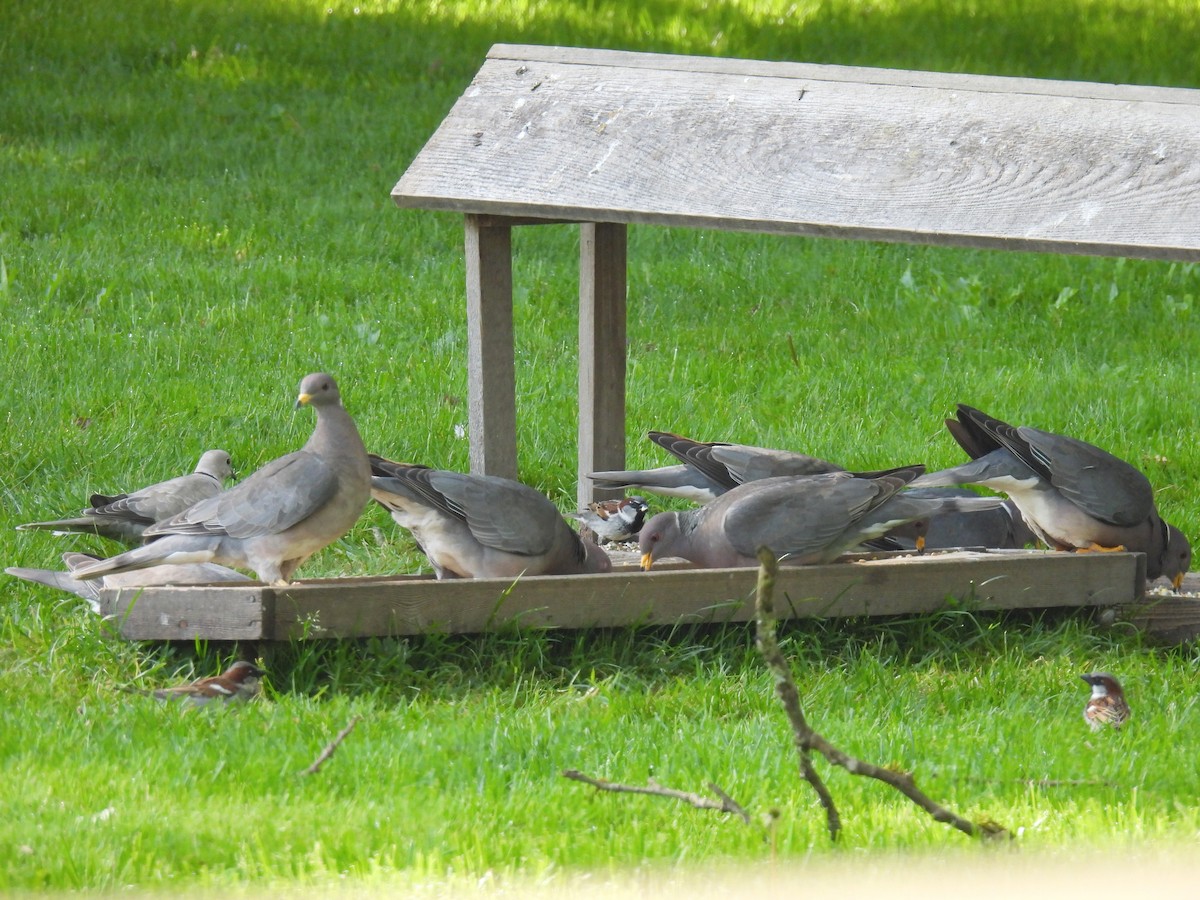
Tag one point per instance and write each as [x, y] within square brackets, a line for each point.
[184, 613]
[401, 605]
[1171, 619]
[491, 376]
[941, 159]
[531, 54]
[602, 274]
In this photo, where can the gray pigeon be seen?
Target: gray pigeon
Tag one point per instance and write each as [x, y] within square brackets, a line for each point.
[710, 469]
[1073, 495]
[803, 520]
[614, 520]
[277, 518]
[998, 528]
[191, 573]
[123, 517]
[482, 526]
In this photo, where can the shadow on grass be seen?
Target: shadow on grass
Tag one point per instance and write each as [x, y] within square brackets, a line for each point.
[648, 659]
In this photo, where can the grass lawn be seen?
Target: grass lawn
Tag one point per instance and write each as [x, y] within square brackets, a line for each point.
[196, 214]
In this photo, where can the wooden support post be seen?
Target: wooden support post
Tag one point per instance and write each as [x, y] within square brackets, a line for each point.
[491, 380]
[602, 277]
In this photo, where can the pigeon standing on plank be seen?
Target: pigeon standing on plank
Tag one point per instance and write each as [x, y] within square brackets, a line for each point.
[191, 573]
[614, 520]
[124, 517]
[802, 520]
[277, 518]
[710, 468]
[482, 526]
[1073, 495]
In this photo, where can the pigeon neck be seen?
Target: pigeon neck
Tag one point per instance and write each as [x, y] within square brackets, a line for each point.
[334, 422]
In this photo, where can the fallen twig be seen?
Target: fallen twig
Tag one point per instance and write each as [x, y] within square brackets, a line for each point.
[785, 686]
[331, 748]
[724, 803]
[808, 740]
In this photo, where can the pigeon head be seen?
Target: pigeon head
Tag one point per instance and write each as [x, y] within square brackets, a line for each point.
[1176, 557]
[215, 464]
[594, 557]
[318, 389]
[657, 537]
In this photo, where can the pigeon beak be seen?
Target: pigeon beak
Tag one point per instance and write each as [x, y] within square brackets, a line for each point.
[302, 400]
[647, 561]
[1177, 582]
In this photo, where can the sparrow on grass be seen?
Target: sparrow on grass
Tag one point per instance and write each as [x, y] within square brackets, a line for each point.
[238, 683]
[1107, 704]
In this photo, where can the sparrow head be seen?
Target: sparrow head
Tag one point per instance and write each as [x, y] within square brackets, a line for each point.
[632, 511]
[242, 671]
[1103, 684]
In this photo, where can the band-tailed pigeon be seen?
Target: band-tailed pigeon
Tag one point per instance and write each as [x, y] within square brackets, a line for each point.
[123, 517]
[710, 468]
[803, 520]
[277, 518]
[190, 573]
[1073, 495]
[998, 528]
[482, 526]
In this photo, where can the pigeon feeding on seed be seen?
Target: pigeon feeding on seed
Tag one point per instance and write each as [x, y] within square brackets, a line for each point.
[1107, 704]
[998, 528]
[1073, 495]
[190, 573]
[124, 517]
[482, 526]
[802, 520]
[614, 520]
[709, 469]
[274, 520]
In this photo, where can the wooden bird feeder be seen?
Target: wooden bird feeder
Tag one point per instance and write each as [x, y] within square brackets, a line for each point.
[604, 139]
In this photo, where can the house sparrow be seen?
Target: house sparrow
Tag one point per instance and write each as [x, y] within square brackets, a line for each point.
[1107, 703]
[614, 520]
[239, 682]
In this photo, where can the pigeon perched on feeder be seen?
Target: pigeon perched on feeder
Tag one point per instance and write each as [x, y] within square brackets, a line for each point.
[710, 469]
[124, 517]
[278, 517]
[803, 520]
[482, 526]
[1073, 495]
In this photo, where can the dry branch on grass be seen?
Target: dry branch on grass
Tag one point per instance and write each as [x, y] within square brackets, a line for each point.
[331, 748]
[723, 803]
[808, 740]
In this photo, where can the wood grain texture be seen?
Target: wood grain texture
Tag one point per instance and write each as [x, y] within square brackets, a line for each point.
[1170, 619]
[602, 287]
[400, 605]
[491, 374]
[179, 613]
[787, 148]
[529, 54]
